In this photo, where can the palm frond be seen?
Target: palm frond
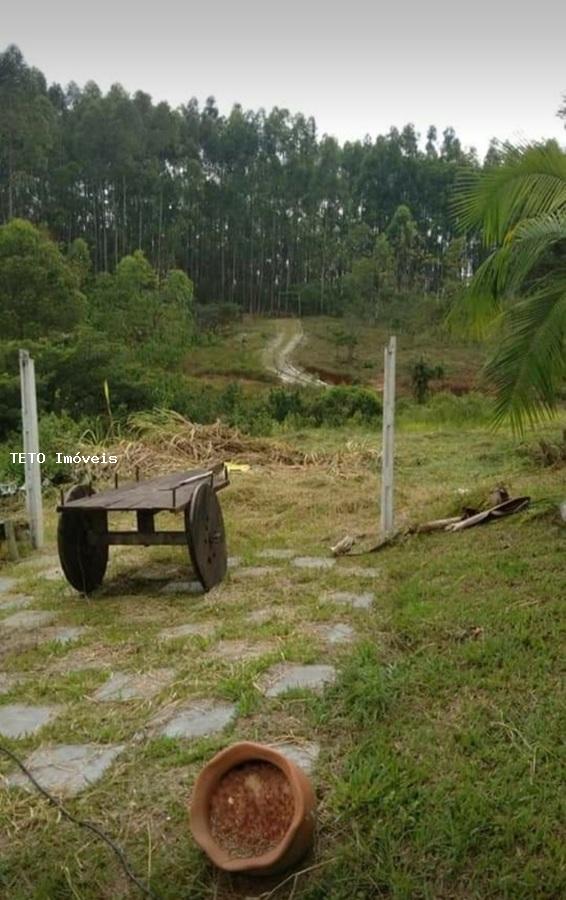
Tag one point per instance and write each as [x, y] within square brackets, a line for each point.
[529, 243]
[531, 182]
[530, 364]
[478, 308]
[520, 207]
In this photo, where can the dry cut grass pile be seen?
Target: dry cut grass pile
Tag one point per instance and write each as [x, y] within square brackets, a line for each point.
[163, 441]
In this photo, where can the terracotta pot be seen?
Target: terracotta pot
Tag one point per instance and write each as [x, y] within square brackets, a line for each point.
[298, 837]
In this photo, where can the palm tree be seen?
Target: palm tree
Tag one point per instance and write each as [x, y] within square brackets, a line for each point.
[520, 208]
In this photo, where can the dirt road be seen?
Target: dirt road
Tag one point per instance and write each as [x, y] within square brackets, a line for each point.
[277, 355]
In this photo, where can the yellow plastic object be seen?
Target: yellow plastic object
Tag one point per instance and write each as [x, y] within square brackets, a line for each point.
[238, 467]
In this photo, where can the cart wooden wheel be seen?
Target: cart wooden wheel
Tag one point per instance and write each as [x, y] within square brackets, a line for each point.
[84, 564]
[206, 537]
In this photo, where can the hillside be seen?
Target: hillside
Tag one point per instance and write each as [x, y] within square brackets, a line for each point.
[240, 353]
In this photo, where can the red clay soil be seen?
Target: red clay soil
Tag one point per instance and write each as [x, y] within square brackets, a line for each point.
[328, 376]
[251, 809]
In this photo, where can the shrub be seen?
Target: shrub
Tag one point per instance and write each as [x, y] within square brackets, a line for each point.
[445, 409]
[283, 402]
[421, 374]
[340, 404]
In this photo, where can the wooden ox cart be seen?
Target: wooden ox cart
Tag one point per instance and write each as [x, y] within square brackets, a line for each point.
[84, 536]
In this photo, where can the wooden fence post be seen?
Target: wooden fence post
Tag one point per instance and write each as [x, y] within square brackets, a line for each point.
[388, 448]
[34, 503]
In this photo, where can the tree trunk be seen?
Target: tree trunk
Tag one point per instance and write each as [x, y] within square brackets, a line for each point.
[124, 219]
[159, 227]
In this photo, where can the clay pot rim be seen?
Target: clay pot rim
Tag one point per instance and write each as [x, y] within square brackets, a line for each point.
[207, 780]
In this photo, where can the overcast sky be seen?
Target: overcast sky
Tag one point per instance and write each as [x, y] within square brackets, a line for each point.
[486, 68]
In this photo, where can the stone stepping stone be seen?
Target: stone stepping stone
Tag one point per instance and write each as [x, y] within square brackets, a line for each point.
[260, 616]
[64, 635]
[27, 620]
[40, 562]
[52, 575]
[232, 651]
[86, 658]
[356, 601]
[123, 686]
[290, 676]
[183, 587]
[8, 682]
[257, 571]
[160, 575]
[17, 720]
[199, 718]
[68, 769]
[303, 755]
[359, 572]
[15, 601]
[196, 629]
[313, 562]
[335, 633]
[275, 553]
[6, 585]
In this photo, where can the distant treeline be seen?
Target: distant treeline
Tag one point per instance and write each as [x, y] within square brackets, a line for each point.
[256, 207]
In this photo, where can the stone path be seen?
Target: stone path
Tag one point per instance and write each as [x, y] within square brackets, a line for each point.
[257, 571]
[89, 657]
[123, 686]
[68, 769]
[284, 677]
[52, 574]
[15, 601]
[164, 573]
[18, 720]
[197, 629]
[63, 635]
[314, 562]
[27, 620]
[6, 585]
[347, 598]
[41, 562]
[260, 616]
[183, 587]
[274, 553]
[232, 651]
[304, 755]
[358, 572]
[195, 719]
[335, 632]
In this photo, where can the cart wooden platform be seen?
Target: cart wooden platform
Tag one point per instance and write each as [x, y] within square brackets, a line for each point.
[84, 538]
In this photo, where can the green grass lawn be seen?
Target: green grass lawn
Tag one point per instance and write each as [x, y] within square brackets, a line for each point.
[440, 767]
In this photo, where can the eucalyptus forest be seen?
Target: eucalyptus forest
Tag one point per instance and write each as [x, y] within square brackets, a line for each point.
[258, 207]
